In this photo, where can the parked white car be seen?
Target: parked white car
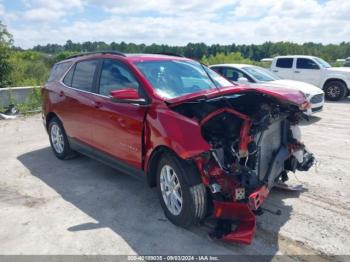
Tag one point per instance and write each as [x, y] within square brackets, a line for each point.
[259, 76]
[335, 81]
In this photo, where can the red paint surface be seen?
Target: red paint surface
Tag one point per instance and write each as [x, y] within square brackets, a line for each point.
[127, 93]
[245, 230]
[283, 94]
[257, 198]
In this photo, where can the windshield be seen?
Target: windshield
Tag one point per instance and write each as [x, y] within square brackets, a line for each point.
[174, 78]
[322, 63]
[260, 74]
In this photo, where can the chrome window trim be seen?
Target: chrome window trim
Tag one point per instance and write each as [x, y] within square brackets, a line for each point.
[76, 89]
[84, 91]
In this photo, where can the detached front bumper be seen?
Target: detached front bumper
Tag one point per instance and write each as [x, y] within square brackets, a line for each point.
[245, 212]
[227, 212]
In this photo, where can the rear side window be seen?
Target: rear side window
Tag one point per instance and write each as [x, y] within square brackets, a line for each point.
[284, 62]
[68, 78]
[58, 71]
[233, 74]
[305, 63]
[83, 76]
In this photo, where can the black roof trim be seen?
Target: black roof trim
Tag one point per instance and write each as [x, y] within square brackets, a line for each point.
[97, 52]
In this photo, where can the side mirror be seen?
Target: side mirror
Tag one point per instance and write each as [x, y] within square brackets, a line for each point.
[243, 80]
[127, 95]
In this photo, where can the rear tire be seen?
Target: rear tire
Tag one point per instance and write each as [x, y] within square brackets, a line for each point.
[335, 90]
[59, 140]
[190, 200]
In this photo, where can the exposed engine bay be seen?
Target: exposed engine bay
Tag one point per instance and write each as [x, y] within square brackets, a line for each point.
[254, 142]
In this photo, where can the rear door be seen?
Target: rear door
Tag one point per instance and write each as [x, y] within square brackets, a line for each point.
[283, 67]
[308, 71]
[118, 127]
[76, 107]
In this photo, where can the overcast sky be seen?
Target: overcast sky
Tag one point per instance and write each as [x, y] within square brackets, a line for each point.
[178, 22]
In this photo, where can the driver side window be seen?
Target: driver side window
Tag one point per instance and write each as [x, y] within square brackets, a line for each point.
[305, 63]
[233, 74]
[115, 76]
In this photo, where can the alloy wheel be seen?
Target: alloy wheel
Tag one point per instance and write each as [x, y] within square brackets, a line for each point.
[333, 91]
[57, 138]
[171, 190]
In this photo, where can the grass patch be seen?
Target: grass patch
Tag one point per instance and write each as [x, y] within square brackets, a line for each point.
[32, 102]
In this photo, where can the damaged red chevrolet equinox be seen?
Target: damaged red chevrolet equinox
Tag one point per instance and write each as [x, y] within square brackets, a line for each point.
[210, 147]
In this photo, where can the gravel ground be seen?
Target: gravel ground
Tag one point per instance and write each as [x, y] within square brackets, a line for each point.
[81, 206]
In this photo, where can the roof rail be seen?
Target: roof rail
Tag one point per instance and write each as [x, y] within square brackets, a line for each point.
[98, 52]
[168, 53]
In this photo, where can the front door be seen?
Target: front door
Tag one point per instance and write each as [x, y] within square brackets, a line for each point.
[308, 71]
[118, 127]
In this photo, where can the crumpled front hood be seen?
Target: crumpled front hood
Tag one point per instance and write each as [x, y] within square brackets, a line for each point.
[282, 94]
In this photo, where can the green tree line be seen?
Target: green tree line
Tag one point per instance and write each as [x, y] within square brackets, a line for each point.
[254, 52]
[20, 67]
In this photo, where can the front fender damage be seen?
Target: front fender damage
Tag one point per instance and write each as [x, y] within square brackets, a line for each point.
[254, 142]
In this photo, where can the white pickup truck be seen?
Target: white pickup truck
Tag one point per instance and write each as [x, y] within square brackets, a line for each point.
[335, 81]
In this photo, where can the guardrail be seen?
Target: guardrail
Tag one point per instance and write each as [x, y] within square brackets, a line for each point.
[15, 95]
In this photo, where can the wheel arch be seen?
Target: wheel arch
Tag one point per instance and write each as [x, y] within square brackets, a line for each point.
[334, 79]
[48, 118]
[152, 165]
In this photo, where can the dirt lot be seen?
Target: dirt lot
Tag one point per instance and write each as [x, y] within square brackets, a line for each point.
[80, 206]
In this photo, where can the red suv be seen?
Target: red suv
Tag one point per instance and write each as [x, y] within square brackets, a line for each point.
[212, 148]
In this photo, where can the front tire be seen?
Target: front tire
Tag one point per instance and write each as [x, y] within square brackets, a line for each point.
[335, 90]
[184, 204]
[58, 139]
